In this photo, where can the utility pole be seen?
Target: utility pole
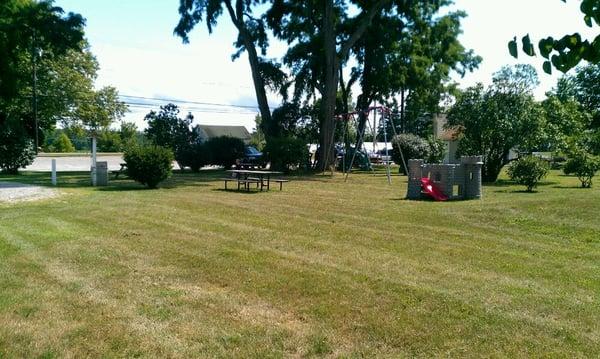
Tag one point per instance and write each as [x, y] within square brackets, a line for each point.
[35, 110]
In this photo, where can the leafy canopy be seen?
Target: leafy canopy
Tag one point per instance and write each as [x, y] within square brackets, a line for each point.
[568, 51]
[495, 120]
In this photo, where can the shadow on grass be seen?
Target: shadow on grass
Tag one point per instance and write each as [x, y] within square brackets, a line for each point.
[508, 183]
[571, 187]
[235, 190]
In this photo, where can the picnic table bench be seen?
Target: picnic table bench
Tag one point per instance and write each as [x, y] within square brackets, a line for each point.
[122, 170]
[262, 179]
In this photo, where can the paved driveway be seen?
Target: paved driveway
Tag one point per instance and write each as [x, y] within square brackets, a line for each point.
[73, 163]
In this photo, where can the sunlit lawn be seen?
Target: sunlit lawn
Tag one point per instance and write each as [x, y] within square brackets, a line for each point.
[322, 268]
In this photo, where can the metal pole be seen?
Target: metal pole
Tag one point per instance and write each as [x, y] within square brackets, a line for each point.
[35, 110]
[389, 176]
[361, 138]
[94, 178]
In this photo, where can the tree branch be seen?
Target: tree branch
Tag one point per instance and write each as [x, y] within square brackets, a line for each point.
[231, 12]
[362, 27]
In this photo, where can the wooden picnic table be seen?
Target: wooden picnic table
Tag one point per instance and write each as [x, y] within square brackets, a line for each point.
[261, 178]
[120, 171]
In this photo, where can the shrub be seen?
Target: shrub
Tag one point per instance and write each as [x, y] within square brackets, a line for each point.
[528, 171]
[63, 144]
[225, 150]
[148, 165]
[16, 149]
[584, 166]
[415, 147]
[193, 156]
[285, 153]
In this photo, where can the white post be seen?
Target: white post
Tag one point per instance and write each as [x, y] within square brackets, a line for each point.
[54, 172]
[94, 178]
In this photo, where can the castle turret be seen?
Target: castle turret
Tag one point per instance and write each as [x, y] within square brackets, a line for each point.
[472, 166]
[415, 172]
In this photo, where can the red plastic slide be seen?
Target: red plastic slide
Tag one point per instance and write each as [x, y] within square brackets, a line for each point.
[431, 190]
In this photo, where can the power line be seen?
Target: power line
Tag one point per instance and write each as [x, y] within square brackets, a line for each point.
[190, 102]
[191, 109]
[233, 109]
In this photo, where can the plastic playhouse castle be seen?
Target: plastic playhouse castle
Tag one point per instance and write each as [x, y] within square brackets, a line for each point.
[445, 181]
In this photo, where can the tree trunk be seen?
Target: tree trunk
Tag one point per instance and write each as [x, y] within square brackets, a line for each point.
[332, 63]
[402, 111]
[491, 169]
[362, 105]
[237, 17]
[326, 157]
[259, 84]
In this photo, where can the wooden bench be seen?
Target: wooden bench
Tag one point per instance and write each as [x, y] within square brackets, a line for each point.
[280, 181]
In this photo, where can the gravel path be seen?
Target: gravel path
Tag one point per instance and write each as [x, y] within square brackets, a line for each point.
[16, 192]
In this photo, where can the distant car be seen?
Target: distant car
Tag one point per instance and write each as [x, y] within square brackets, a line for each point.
[252, 156]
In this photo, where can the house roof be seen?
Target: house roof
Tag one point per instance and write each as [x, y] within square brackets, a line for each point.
[442, 132]
[212, 131]
[449, 134]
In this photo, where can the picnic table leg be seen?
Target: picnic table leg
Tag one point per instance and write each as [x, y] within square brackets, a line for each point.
[268, 182]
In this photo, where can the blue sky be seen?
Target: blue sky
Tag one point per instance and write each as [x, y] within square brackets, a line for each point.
[138, 54]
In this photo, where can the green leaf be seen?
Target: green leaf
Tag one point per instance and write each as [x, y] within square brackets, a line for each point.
[547, 67]
[528, 46]
[546, 46]
[512, 48]
[574, 40]
[588, 21]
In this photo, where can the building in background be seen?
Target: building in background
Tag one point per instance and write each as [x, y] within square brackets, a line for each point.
[450, 136]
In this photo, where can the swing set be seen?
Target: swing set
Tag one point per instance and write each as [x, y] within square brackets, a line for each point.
[385, 118]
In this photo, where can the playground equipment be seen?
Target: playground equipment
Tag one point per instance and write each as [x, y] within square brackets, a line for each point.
[384, 116]
[445, 181]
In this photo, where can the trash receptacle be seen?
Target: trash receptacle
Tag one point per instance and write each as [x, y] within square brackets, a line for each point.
[101, 173]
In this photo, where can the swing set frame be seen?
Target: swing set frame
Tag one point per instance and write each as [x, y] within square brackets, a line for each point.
[384, 117]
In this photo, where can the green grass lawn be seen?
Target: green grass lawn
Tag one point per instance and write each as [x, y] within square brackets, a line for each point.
[323, 268]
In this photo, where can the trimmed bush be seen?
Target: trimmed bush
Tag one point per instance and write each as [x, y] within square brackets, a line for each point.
[225, 150]
[149, 165]
[528, 171]
[286, 153]
[63, 144]
[584, 166]
[415, 147]
[193, 156]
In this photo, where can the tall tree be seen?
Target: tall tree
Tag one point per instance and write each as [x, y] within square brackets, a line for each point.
[495, 120]
[252, 36]
[30, 27]
[410, 51]
[28, 31]
[305, 26]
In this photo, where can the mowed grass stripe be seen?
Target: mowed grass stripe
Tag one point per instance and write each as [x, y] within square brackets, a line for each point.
[302, 271]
